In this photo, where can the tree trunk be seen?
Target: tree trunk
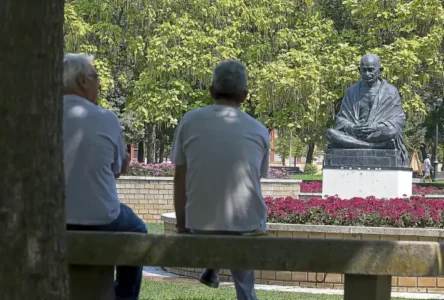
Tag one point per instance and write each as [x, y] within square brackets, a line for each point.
[141, 153]
[32, 214]
[310, 152]
[151, 143]
[161, 151]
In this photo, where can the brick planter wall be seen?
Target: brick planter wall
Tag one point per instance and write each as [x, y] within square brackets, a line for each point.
[333, 281]
[150, 197]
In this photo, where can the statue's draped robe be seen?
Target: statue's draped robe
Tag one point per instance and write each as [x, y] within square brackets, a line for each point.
[386, 109]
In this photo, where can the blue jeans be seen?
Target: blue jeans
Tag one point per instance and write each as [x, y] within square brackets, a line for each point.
[128, 278]
[243, 279]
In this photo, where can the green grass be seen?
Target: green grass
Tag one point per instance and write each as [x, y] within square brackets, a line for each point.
[154, 290]
[307, 177]
[155, 228]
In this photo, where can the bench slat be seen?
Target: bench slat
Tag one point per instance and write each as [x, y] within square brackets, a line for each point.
[260, 253]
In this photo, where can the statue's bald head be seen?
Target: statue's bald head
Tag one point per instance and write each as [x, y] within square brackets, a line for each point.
[370, 68]
[371, 59]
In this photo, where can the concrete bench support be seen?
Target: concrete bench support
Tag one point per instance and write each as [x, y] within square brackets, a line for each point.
[91, 282]
[367, 287]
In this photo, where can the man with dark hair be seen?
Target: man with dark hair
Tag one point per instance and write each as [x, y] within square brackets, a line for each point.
[221, 153]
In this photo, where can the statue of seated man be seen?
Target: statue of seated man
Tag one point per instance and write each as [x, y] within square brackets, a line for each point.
[371, 115]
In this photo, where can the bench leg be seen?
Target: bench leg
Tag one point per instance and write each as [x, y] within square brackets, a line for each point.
[91, 282]
[364, 287]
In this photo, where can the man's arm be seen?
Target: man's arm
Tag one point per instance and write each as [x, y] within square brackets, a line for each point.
[266, 160]
[180, 197]
[121, 157]
[125, 164]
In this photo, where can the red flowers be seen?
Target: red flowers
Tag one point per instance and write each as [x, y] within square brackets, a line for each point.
[411, 212]
[311, 187]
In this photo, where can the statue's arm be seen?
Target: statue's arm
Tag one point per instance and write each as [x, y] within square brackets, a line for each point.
[385, 131]
[343, 122]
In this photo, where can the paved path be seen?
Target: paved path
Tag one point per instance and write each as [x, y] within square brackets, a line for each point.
[158, 274]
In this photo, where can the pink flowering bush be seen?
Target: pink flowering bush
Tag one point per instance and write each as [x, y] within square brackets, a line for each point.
[311, 187]
[427, 190]
[156, 170]
[167, 170]
[411, 212]
[277, 173]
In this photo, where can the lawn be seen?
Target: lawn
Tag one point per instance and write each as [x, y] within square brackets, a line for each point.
[155, 228]
[155, 290]
[307, 177]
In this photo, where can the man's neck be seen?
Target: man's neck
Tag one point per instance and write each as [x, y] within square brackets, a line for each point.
[227, 102]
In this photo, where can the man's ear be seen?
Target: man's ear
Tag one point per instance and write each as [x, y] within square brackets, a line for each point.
[381, 69]
[212, 93]
[81, 80]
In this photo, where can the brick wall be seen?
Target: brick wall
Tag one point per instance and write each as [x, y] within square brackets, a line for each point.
[150, 197]
[325, 280]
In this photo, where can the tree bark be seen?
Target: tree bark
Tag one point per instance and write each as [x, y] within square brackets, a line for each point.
[151, 143]
[141, 153]
[161, 151]
[32, 214]
[310, 153]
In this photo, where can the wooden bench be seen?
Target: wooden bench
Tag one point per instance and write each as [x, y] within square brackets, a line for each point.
[367, 265]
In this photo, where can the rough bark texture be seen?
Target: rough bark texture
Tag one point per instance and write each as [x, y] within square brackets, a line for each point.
[32, 239]
[310, 152]
[150, 131]
[141, 153]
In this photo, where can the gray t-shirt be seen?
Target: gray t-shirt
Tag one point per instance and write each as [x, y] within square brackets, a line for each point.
[226, 152]
[94, 149]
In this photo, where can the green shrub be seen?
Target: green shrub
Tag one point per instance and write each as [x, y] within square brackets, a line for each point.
[310, 169]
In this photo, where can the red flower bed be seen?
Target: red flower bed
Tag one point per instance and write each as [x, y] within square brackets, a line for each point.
[316, 187]
[311, 187]
[411, 212]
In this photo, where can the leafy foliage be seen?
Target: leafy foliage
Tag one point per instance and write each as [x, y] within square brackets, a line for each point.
[155, 58]
[310, 169]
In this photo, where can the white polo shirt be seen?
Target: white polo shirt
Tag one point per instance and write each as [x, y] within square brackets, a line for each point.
[94, 149]
[226, 152]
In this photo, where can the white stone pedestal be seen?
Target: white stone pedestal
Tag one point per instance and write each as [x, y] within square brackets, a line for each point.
[348, 183]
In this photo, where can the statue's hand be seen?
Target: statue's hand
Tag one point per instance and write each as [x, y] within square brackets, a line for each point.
[366, 130]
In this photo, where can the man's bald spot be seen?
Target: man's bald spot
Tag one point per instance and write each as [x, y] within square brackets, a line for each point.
[371, 59]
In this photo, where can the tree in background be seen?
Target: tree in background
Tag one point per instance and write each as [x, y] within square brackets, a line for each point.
[32, 213]
[156, 57]
[285, 144]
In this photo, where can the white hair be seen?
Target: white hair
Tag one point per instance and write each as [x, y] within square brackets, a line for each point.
[73, 65]
[230, 78]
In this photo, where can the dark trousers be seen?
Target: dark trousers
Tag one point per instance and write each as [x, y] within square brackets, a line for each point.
[128, 278]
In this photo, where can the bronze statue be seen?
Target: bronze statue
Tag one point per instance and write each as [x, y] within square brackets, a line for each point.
[371, 115]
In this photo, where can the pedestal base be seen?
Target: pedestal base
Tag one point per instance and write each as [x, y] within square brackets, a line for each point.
[348, 183]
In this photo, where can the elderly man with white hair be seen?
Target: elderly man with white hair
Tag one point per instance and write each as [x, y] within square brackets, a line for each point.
[94, 156]
[221, 153]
